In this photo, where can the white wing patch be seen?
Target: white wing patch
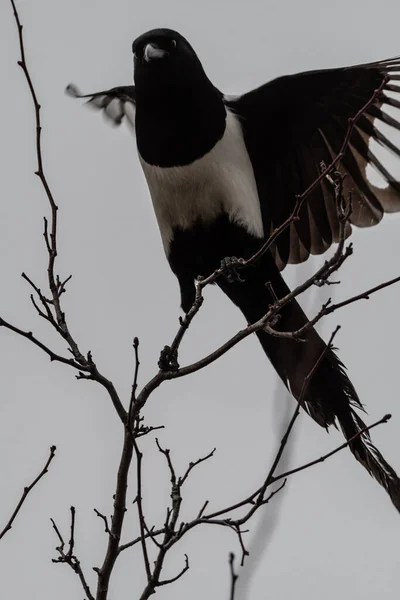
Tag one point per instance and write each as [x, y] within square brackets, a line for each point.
[220, 182]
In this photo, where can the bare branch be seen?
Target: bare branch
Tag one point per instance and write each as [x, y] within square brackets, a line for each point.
[166, 452]
[135, 382]
[44, 301]
[50, 237]
[72, 536]
[321, 459]
[210, 518]
[91, 371]
[235, 524]
[69, 557]
[363, 296]
[203, 508]
[117, 519]
[328, 308]
[29, 336]
[27, 490]
[56, 285]
[182, 572]
[105, 521]
[139, 504]
[194, 464]
[170, 353]
[234, 576]
[151, 533]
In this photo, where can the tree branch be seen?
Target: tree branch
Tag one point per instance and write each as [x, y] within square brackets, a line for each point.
[29, 336]
[139, 503]
[321, 459]
[194, 464]
[117, 519]
[234, 576]
[26, 491]
[56, 285]
[105, 521]
[69, 557]
[173, 579]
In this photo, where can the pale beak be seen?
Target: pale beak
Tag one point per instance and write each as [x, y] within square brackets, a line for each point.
[152, 51]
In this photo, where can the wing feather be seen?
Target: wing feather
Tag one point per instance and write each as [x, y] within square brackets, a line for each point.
[294, 124]
[117, 103]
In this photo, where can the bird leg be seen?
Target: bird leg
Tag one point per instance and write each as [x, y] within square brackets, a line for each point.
[230, 266]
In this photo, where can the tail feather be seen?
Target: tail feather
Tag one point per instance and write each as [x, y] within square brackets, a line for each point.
[330, 397]
[346, 400]
[369, 456]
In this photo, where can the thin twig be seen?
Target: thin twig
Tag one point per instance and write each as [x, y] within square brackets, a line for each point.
[72, 534]
[139, 504]
[182, 572]
[234, 576]
[26, 491]
[149, 532]
[328, 308]
[135, 382]
[69, 557]
[321, 459]
[44, 301]
[29, 336]
[363, 296]
[152, 533]
[194, 464]
[105, 521]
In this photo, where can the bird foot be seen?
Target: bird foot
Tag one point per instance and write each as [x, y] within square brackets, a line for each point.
[230, 266]
[168, 360]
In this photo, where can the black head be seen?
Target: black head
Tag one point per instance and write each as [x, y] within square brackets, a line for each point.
[180, 115]
[163, 56]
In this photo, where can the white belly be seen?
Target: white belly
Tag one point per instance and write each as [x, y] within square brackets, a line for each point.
[222, 181]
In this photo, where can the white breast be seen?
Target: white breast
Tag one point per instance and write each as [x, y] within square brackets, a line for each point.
[221, 181]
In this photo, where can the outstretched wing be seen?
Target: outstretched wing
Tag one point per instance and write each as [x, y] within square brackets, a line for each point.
[294, 124]
[117, 103]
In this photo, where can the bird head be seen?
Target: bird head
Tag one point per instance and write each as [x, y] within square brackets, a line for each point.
[180, 115]
[164, 57]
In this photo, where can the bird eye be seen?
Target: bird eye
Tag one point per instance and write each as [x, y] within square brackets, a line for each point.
[173, 43]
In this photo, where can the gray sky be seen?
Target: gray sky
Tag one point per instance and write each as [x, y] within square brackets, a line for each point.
[338, 532]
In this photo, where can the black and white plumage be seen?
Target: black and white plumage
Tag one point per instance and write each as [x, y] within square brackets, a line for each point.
[223, 172]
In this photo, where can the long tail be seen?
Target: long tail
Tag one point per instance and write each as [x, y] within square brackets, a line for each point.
[330, 397]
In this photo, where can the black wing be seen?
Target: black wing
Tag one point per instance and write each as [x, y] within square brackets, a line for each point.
[293, 124]
[117, 103]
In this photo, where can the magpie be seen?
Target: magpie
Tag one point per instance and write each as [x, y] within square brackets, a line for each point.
[223, 172]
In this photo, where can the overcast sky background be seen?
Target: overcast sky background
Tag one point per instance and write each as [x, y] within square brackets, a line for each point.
[338, 534]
